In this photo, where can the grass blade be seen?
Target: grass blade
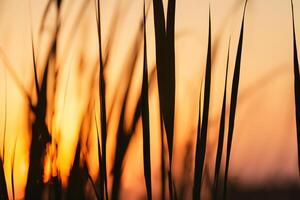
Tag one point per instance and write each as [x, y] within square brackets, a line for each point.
[40, 137]
[233, 101]
[124, 137]
[123, 140]
[221, 133]
[202, 134]
[5, 116]
[36, 81]
[145, 117]
[165, 61]
[103, 173]
[170, 108]
[77, 179]
[131, 61]
[3, 187]
[296, 85]
[98, 143]
[12, 169]
[40, 133]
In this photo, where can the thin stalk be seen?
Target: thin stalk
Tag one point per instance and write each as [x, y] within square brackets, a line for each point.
[233, 102]
[296, 85]
[12, 168]
[145, 117]
[221, 132]
[98, 144]
[5, 115]
[3, 186]
[103, 173]
[202, 134]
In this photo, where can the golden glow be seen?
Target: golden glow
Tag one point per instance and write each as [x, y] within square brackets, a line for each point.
[265, 122]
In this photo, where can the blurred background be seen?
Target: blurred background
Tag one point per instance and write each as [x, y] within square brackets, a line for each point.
[263, 163]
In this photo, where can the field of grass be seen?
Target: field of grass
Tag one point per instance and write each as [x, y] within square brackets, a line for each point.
[144, 99]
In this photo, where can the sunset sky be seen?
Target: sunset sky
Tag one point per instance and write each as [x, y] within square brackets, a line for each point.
[264, 150]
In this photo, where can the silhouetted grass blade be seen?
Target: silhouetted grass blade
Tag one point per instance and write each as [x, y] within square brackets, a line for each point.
[103, 173]
[170, 91]
[40, 136]
[221, 132]
[296, 86]
[202, 135]
[34, 67]
[98, 142]
[12, 169]
[3, 187]
[168, 76]
[145, 117]
[123, 140]
[165, 62]
[233, 101]
[5, 116]
[75, 189]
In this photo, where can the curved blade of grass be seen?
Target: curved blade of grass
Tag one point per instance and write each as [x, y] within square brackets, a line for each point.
[123, 136]
[202, 134]
[34, 66]
[103, 173]
[145, 117]
[296, 86]
[123, 139]
[233, 101]
[221, 132]
[131, 59]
